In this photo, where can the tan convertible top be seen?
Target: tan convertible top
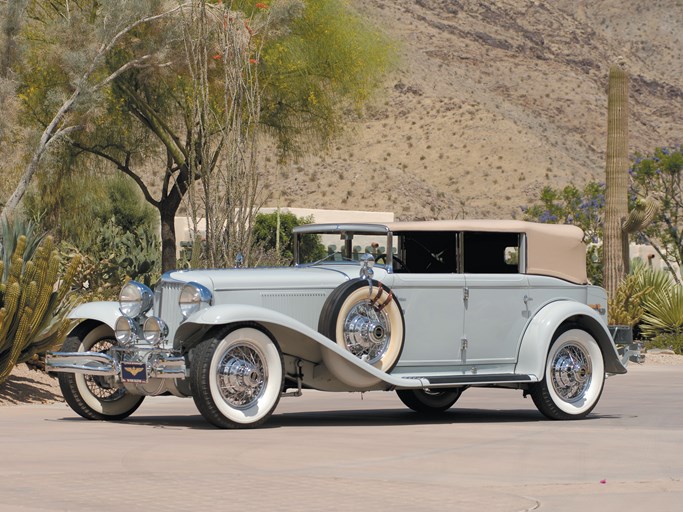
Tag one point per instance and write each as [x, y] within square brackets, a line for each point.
[552, 249]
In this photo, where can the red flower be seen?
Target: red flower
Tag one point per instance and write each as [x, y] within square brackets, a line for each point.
[261, 5]
[253, 61]
[217, 56]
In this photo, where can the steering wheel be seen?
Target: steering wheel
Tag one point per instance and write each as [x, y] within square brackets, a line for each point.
[398, 260]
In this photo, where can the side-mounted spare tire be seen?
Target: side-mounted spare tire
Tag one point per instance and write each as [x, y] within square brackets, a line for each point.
[366, 320]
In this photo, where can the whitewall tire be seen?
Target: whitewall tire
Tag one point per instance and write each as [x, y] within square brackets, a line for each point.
[237, 377]
[95, 397]
[574, 377]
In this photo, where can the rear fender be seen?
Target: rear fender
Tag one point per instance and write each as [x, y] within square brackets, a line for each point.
[542, 328]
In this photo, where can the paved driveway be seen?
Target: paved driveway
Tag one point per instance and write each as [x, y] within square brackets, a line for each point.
[492, 452]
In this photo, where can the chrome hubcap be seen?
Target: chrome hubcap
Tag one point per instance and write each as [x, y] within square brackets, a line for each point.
[366, 332]
[242, 376]
[104, 388]
[571, 373]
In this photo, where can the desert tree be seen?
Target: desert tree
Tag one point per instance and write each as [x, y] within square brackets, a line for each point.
[318, 59]
[288, 73]
[84, 72]
[658, 178]
[223, 46]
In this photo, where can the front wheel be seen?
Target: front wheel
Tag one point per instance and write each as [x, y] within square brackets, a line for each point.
[237, 377]
[429, 401]
[574, 377]
[95, 397]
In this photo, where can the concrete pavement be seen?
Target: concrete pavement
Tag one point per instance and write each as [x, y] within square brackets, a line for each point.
[492, 452]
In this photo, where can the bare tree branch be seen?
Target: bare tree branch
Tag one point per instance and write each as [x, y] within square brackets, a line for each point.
[54, 130]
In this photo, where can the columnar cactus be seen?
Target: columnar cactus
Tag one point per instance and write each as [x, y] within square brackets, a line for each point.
[619, 223]
[616, 193]
[32, 317]
[639, 218]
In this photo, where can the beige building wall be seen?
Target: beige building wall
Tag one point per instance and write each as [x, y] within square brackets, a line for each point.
[183, 225]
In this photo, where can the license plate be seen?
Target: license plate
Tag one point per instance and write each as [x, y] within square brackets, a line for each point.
[133, 372]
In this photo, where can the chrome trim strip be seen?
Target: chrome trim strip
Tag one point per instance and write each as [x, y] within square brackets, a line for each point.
[89, 363]
[96, 363]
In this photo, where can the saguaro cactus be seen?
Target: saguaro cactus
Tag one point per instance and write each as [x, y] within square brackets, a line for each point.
[619, 223]
[31, 298]
[616, 170]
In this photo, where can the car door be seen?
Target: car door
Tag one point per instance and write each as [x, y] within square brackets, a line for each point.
[431, 294]
[433, 310]
[497, 300]
[496, 312]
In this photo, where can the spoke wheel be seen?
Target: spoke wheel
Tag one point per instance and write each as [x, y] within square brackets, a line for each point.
[95, 397]
[574, 377]
[429, 401]
[237, 377]
[367, 322]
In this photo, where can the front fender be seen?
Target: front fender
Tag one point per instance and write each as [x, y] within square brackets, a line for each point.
[189, 332]
[105, 312]
[539, 334]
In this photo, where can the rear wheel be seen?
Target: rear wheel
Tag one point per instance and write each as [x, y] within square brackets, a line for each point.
[237, 377]
[429, 401]
[574, 377]
[95, 397]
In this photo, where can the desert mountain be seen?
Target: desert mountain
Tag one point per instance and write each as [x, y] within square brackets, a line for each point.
[491, 101]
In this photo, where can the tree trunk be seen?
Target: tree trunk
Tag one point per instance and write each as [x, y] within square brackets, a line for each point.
[168, 239]
[616, 171]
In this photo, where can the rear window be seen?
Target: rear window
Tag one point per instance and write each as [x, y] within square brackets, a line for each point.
[490, 253]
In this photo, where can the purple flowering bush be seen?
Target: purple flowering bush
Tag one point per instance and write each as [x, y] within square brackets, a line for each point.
[580, 207]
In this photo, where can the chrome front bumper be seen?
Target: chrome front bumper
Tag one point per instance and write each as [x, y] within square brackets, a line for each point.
[158, 364]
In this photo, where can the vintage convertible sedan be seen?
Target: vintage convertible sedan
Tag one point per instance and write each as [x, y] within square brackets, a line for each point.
[426, 309]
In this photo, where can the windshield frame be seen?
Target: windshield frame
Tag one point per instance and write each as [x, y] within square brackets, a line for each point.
[346, 232]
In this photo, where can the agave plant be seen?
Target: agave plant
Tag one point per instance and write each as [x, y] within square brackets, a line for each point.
[664, 313]
[656, 279]
[627, 307]
[11, 231]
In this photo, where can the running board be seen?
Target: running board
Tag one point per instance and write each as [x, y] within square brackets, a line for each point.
[443, 381]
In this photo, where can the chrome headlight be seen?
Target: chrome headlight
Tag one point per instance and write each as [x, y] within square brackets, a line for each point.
[194, 297]
[125, 330]
[154, 330]
[135, 299]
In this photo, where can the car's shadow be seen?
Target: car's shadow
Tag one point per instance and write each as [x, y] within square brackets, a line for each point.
[355, 418]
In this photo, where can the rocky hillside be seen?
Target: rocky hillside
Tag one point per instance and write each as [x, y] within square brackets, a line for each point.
[493, 100]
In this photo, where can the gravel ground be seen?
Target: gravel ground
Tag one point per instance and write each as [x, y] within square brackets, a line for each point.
[25, 386]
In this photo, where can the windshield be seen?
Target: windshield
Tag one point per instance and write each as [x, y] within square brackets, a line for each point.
[340, 247]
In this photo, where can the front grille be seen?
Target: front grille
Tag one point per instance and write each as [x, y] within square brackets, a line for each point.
[166, 307]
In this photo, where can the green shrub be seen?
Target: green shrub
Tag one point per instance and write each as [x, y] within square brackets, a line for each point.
[667, 341]
[75, 204]
[265, 229]
[115, 256]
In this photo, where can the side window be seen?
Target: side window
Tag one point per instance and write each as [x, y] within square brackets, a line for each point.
[427, 252]
[490, 253]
